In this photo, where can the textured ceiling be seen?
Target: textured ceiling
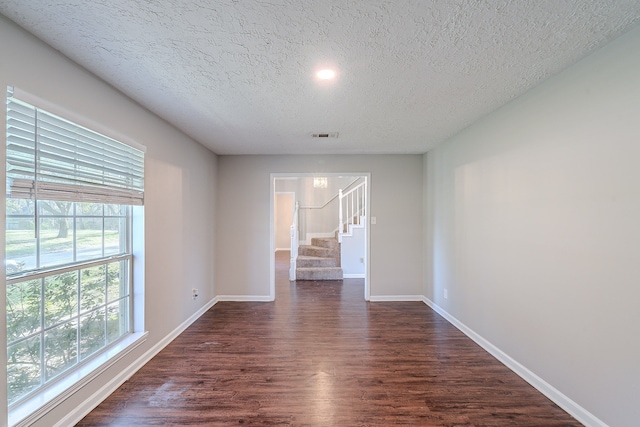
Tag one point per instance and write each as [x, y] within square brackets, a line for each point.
[238, 76]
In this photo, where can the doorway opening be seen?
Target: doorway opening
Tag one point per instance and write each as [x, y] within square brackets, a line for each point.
[311, 204]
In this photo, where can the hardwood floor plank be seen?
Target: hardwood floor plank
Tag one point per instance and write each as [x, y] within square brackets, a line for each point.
[322, 356]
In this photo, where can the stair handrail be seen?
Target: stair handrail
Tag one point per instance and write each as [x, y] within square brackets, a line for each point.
[320, 207]
[353, 202]
[293, 233]
[353, 182]
[353, 189]
[331, 199]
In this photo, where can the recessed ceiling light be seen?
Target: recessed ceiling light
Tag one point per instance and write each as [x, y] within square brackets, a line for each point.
[326, 74]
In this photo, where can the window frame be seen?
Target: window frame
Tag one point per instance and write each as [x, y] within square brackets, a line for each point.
[73, 217]
[36, 404]
[77, 316]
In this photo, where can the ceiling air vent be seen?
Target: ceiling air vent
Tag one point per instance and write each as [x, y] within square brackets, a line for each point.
[325, 135]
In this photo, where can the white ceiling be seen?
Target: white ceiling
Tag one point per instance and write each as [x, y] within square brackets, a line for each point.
[238, 76]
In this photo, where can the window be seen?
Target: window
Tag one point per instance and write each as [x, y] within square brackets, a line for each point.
[70, 193]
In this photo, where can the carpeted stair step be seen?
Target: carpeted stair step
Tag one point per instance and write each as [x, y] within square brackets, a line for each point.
[325, 242]
[315, 251]
[320, 260]
[314, 261]
[322, 273]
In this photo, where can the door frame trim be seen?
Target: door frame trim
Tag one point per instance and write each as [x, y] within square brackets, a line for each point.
[272, 261]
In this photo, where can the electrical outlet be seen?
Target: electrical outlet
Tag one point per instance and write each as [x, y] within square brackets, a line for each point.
[374, 220]
[194, 293]
[446, 294]
[362, 260]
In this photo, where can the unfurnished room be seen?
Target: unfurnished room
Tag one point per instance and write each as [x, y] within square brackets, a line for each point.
[321, 213]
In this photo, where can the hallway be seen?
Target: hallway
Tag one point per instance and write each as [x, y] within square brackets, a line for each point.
[322, 356]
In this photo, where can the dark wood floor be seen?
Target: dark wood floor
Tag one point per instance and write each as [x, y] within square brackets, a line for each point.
[322, 356]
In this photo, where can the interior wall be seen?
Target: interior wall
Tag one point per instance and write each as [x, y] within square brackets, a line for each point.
[352, 252]
[319, 222]
[243, 228]
[180, 191]
[284, 218]
[532, 227]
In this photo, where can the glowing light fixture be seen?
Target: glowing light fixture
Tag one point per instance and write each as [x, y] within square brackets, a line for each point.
[320, 182]
[326, 74]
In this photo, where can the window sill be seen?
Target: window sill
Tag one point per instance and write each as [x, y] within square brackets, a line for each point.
[38, 405]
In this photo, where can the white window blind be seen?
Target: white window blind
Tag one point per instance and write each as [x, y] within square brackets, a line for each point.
[51, 158]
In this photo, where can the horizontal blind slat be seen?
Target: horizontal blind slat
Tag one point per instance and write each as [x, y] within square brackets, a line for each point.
[75, 138]
[73, 163]
[49, 154]
[27, 189]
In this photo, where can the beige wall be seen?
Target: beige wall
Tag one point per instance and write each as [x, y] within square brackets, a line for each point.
[533, 228]
[283, 206]
[314, 221]
[243, 226]
[179, 195]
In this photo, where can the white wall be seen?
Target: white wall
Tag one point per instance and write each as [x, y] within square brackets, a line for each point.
[352, 252]
[315, 222]
[180, 190]
[283, 207]
[533, 227]
[324, 221]
[243, 228]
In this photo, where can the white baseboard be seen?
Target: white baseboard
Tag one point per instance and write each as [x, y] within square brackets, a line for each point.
[575, 410]
[282, 249]
[245, 298]
[353, 276]
[96, 398]
[391, 298]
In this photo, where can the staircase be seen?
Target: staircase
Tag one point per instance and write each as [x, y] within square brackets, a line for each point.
[320, 260]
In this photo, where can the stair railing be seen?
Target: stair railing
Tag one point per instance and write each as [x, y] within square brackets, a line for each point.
[331, 199]
[305, 210]
[351, 208]
[293, 233]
